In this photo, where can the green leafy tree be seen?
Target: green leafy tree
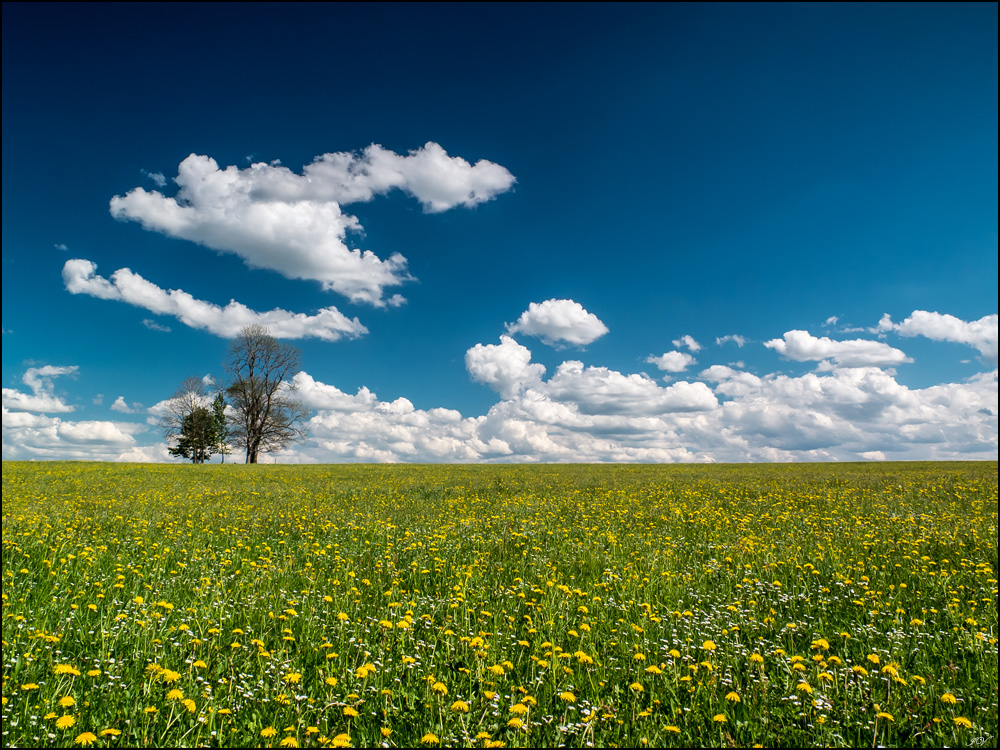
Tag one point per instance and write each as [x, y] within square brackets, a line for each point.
[221, 423]
[197, 439]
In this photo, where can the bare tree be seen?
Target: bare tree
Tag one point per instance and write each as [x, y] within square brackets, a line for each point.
[265, 416]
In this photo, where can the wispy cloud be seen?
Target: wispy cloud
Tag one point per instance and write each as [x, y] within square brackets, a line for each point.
[802, 346]
[979, 334]
[329, 324]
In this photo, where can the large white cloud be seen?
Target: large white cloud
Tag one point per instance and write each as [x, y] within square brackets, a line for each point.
[980, 334]
[802, 346]
[276, 219]
[41, 398]
[555, 321]
[40, 437]
[80, 277]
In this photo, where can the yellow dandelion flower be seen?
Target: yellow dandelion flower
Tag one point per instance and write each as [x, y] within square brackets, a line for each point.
[720, 718]
[189, 705]
[519, 709]
[93, 673]
[385, 732]
[67, 701]
[734, 697]
[430, 739]
[351, 713]
[292, 678]
[961, 721]
[873, 658]
[672, 728]
[949, 698]
[65, 722]
[515, 723]
[568, 697]
[110, 732]
[66, 669]
[635, 687]
[175, 695]
[169, 675]
[87, 738]
[268, 732]
[199, 664]
[439, 688]
[496, 670]
[884, 715]
[344, 740]
[289, 742]
[804, 687]
[460, 707]
[708, 646]
[29, 686]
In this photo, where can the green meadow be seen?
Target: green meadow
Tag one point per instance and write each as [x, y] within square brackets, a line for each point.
[499, 606]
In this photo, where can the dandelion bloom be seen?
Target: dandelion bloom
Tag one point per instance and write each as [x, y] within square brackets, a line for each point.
[169, 675]
[289, 742]
[497, 670]
[460, 707]
[519, 709]
[720, 718]
[87, 738]
[961, 721]
[29, 686]
[66, 701]
[93, 673]
[149, 710]
[292, 678]
[949, 698]
[351, 713]
[65, 722]
[439, 688]
[430, 739]
[175, 695]
[110, 732]
[733, 696]
[268, 732]
[189, 705]
[515, 723]
[568, 697]
[672, 728]
[635, 687]
[884, 715]
[385, 732]
[653, 669]
[708, 646]
[873, 658]
[804, 687]
[66, 669]
[199, 664]
[344, 740]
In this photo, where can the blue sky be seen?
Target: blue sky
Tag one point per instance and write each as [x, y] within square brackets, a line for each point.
[647, 232]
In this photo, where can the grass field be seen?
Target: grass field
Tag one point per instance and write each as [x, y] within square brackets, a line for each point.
[843, 605]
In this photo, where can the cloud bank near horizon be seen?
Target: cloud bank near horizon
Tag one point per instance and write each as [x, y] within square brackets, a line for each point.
[844, 410]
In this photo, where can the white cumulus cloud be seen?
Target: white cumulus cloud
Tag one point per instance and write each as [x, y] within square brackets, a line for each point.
[292, 223]
[687, 341]
[801, 346]
[505, 367]
[555, 321]
[329, 324]
[41, 398]
[980, 334]
[672, 361]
